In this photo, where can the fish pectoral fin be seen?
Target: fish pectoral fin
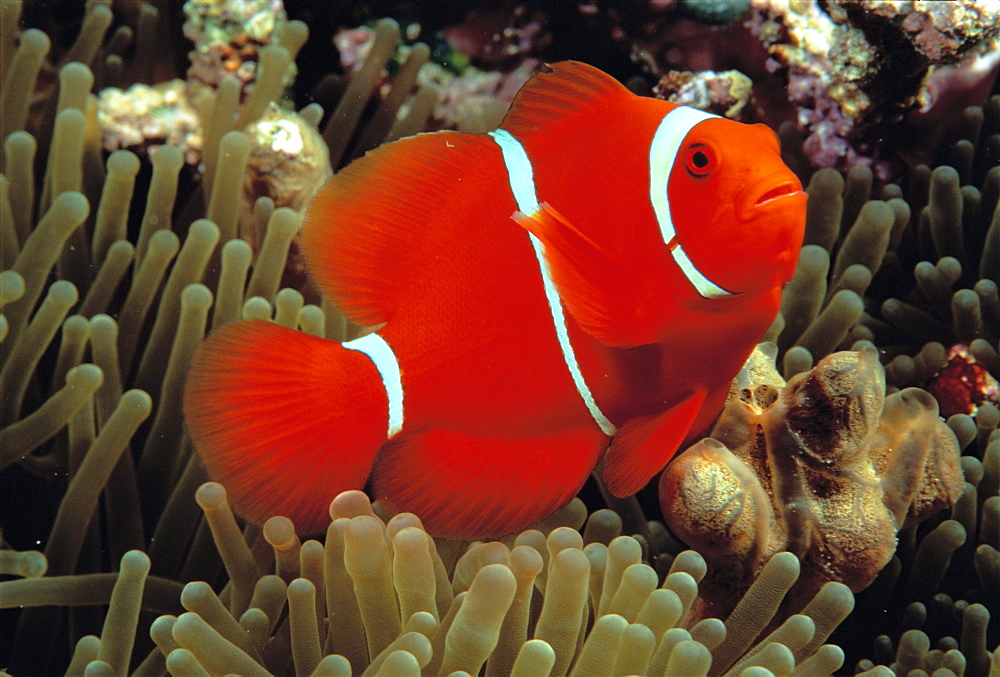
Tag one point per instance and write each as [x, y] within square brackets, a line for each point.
[598, 290]
[645, 443]
[466, 487]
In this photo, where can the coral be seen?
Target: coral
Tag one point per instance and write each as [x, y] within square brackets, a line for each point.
[911, 275]
[845, 72]
[354, 46]
[826, 65]
[228, 37]
[854, 290]
[144, 116]
[240, 47]
[825, 467]
[69, 429]
[469, 99]
[387, 124]
[476, 100]
[725, 93]
[963, 385]
[287, 163]
[940, 32]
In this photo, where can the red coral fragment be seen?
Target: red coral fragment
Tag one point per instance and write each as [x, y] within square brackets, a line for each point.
[963, 385]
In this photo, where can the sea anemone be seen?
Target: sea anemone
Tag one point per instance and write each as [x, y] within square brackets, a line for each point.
[385, 598]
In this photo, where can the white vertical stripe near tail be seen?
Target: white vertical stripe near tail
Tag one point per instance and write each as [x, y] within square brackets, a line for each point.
[381, 355]
[522, 185]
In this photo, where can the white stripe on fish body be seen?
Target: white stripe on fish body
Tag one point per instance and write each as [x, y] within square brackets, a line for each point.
[381, 355]
[522, 184]
[663, 152]
[520, 173]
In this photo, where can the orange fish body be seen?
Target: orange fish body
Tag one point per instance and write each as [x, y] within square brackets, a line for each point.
[585, 281]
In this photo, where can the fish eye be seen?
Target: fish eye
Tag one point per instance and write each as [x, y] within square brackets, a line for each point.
[699, 159]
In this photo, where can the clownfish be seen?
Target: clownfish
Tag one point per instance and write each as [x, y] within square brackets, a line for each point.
[582, 283]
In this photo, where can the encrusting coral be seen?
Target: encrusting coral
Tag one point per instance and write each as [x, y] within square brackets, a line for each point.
[845, 72]
[113, 268]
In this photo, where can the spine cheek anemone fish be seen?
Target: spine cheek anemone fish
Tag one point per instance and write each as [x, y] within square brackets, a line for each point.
[581, 284]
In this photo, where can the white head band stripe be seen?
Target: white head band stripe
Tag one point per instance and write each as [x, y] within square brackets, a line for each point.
[662, 154]
[522, 185]
[381, 355]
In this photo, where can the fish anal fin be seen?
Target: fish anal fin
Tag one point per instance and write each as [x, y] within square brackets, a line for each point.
[284, 420]
[549, 98]
[367, 229]
[644, 445]
[466, 487]
[597, 290]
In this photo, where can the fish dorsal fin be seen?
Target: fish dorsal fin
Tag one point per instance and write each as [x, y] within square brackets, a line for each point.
[366, 229]
[571, 88]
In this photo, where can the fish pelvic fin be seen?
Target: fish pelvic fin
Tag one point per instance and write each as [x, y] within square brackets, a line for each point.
[645, 443]
[369, 227]
[284, 420]
[598, 291]
[466, 487]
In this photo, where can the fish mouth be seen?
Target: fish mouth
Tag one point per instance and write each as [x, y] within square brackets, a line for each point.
[769, 194]
[781, 190]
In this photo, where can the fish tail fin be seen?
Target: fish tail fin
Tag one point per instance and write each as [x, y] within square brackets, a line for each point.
[284, 420]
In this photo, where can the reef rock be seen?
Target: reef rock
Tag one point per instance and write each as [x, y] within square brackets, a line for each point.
[825, 466]
[725, 93]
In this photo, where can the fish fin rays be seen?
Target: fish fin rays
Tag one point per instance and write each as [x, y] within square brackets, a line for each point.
[595, 288]
[273, 427]
[547, 98]
[465, 487]
[370, 226]
[644, 445]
